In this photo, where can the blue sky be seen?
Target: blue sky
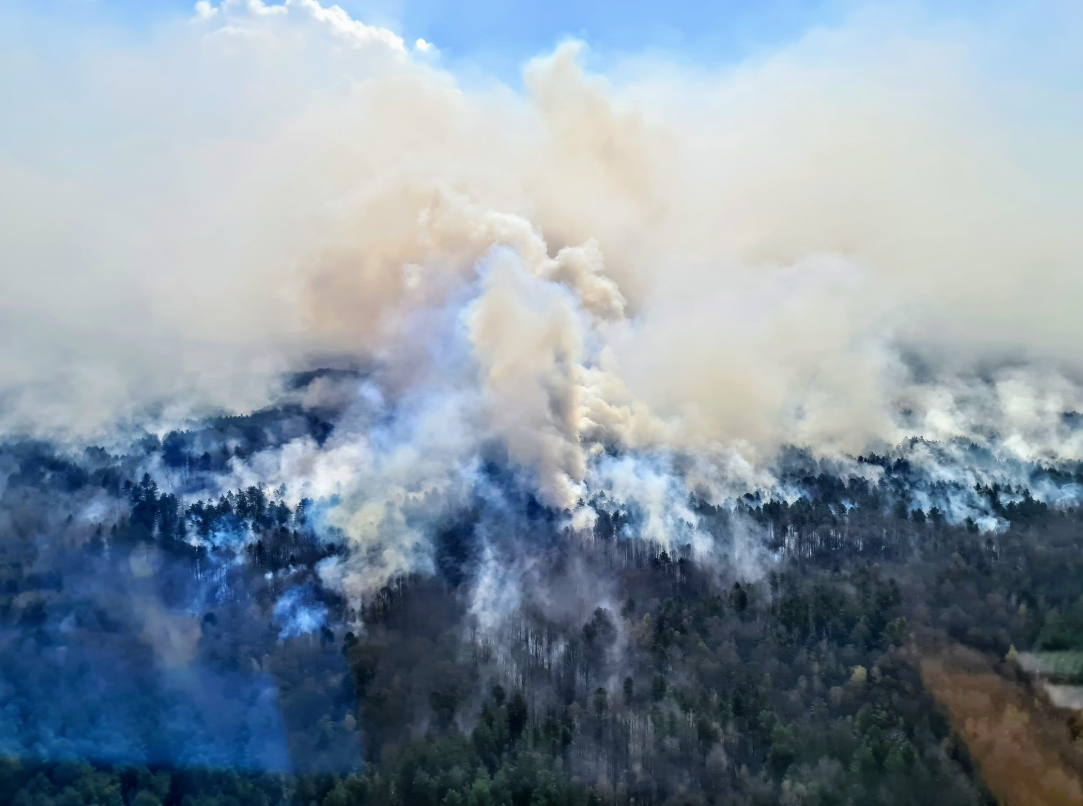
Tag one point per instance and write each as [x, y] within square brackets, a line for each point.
[497, 37]
[492, 35]
[500, 35]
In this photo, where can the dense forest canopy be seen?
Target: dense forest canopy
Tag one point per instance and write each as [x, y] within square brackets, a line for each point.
[168, 641]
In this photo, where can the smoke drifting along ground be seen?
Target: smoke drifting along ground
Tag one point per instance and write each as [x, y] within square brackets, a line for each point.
[628, 286]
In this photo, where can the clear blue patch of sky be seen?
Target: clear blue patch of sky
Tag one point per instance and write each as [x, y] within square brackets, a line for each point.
[495, 37]
[498, 36]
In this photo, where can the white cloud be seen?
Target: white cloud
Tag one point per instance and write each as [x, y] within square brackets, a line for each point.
[333, 18]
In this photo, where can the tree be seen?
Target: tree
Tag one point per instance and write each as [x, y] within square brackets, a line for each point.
[517, 716]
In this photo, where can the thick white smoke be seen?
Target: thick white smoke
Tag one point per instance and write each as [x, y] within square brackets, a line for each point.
[867, 235]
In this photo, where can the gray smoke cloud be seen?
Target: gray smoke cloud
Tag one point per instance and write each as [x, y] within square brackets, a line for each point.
[636, 284]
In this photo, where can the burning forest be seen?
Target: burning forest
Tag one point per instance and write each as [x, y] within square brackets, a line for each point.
[626, 429]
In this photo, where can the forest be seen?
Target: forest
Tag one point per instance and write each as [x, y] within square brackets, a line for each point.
[164, 649]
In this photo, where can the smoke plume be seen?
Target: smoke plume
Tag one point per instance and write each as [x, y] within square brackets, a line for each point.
[629, 284]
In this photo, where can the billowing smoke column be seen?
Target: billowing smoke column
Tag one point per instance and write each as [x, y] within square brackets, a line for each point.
[624, 292]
